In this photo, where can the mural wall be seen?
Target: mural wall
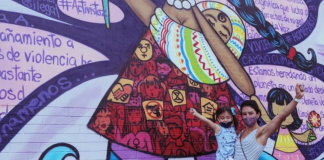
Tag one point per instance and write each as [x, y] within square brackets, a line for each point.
[99, 79]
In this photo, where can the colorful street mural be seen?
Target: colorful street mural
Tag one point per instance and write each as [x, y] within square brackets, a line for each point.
[115, 79]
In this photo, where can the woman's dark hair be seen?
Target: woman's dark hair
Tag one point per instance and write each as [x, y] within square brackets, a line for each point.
[253, 16]
[280, 96]
[226, 109]
[252, 104]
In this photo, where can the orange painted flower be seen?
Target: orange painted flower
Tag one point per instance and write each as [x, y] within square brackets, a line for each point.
[315, 119]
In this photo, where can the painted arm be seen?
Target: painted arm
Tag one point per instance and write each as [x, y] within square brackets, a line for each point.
[267, 130]
[143, 9]
[148, 142]
[264, 113]
[235, 71]
[169, 149]
[213, 125]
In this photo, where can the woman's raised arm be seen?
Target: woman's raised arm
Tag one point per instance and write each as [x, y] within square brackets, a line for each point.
[267, 130]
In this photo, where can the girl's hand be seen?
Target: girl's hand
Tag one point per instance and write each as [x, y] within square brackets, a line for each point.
[193, 111]
[299, 91]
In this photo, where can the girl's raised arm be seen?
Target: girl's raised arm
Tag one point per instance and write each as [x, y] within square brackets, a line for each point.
[213, 125]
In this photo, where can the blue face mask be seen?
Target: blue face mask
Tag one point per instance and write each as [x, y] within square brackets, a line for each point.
[225, 125]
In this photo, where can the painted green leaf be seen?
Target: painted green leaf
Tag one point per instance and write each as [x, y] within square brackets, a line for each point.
[310, 126]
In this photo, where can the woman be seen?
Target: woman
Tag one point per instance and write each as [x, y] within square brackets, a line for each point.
[253, 138]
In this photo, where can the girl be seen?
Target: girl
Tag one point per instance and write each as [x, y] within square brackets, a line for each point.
[224, 131]
[253, 138]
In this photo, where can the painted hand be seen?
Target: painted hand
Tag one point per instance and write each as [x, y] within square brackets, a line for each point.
[123, 92]
[182, 4]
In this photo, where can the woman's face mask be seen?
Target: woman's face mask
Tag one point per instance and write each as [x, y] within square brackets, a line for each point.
[250, 121]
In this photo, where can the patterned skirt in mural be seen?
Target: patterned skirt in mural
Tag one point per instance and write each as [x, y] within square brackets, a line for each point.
[147, 107]
[172, 70]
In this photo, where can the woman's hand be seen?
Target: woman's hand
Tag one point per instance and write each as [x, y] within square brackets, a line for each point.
[299, 91]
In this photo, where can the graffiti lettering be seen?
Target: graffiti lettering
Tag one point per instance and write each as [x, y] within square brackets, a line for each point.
[11, 94]
[84, 61]
[69, 43]
[291, 74]
[297, 10]
[48, 7]
[319, 90]
[284, 18]
[305, 30]
[269, 59]
[308, 89]
[267, 85]
[80, 7]
[34, 104]
[259, 45]
[3, 18]
[43, 58]
[309, 101]
[31, 39]
[13, 55]
[2, 114]
[17, 74]
[302, 113]
[256, 59]
[21, 19]
[255, 70]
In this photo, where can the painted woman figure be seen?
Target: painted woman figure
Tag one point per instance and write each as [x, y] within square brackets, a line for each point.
[200, 44]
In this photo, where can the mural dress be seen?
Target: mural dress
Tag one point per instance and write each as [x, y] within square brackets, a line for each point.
[172, 70]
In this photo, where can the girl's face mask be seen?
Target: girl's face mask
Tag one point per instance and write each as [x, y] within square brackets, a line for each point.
[225, 124]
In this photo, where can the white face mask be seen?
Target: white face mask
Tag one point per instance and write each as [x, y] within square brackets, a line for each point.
[185, 4]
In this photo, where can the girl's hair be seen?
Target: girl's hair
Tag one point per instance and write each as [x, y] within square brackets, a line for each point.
[252, 104]
[280, 96]
[226, 109]
[253, 16]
